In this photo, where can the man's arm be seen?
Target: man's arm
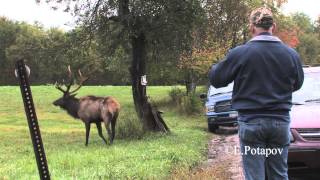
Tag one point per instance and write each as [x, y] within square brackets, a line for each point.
[224, 72]
[299, 74]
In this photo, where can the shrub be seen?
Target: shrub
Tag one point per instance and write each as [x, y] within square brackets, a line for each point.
[176, 95]
[128, 125]
[191, 104]
[186, 104]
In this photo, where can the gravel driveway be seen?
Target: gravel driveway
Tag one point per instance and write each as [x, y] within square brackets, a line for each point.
[224, 148]
[224, 160]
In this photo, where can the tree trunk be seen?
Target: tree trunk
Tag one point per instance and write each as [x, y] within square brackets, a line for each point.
[148, 114]
[190, 82]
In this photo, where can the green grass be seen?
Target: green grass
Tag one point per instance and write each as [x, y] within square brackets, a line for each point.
[132, 156]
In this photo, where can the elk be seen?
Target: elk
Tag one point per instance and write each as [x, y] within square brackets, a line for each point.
[89, 109]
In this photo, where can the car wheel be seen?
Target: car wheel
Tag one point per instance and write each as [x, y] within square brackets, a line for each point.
[213, 127]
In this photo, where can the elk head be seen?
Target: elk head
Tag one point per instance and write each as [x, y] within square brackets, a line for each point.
[68, 95]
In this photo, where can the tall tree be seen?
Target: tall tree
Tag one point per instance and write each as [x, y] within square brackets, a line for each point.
[309, 49]
[222, 26]
[134, 25]
[8, 35]
[28, 44]
[317, 27]
[275, 3]
[303, 21]
[287, 30]
[309, 45]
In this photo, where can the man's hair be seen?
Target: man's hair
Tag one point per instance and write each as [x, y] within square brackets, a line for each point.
[266, 23]
[261, 17]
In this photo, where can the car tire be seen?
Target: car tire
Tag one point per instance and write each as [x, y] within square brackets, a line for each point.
[213, 127]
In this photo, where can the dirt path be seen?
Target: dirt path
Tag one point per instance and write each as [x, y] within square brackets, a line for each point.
[224, 148]
[224, 160]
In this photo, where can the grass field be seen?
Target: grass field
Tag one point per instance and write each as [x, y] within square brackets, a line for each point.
[132, 156]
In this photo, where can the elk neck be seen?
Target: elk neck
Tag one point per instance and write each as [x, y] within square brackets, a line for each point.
[72, 107]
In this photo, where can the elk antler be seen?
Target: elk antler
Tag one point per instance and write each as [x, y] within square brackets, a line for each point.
[70, 79]
[58, 86]
[68, 86]
[82, 80]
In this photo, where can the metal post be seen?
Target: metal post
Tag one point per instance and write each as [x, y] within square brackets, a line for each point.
[22, 74]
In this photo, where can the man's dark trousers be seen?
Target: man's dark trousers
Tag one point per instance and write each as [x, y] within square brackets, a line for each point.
[261, 134]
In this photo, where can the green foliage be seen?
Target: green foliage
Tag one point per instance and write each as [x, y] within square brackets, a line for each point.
[130, 127]
[202, 30]
[191, 104]
[176, 94]
[309, 39]
[303, 21]
[49, 52]
[117, 67]
[186, 103]
[309, 48]
[8, 33]
[132, 156]
[166, 25]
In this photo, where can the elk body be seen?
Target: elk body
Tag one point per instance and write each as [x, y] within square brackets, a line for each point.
[90, 109]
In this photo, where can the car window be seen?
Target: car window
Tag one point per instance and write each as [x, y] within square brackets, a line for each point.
[310, 89]
[213, 90]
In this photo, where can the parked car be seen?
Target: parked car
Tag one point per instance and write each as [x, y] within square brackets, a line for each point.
[304, 150]
[218, 108]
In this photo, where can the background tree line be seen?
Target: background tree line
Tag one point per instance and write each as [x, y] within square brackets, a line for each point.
[48, 52]
[119, 41]
[215, 27]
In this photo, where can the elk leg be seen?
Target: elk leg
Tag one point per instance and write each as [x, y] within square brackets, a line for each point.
[87, 132]
[106, 121]
[100, 131]
[113, 126]
[109, 131]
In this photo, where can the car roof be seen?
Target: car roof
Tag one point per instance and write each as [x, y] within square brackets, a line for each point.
[311, 70]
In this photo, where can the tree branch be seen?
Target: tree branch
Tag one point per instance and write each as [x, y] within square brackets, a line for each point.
[114, 18]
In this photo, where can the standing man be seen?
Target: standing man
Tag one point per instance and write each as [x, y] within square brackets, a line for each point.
[265, 72]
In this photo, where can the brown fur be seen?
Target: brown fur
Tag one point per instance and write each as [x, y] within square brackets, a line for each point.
[92, 109]
[98, 109]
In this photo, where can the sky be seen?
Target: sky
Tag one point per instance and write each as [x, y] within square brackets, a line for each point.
[309, 7]
[29, 11]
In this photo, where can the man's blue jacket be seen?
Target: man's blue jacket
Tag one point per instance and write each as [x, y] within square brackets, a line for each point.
[265, 72]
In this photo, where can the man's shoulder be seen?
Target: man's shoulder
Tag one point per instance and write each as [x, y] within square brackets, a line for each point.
[282, 46]
[292, 50]
[251, 47]
[239, 49]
